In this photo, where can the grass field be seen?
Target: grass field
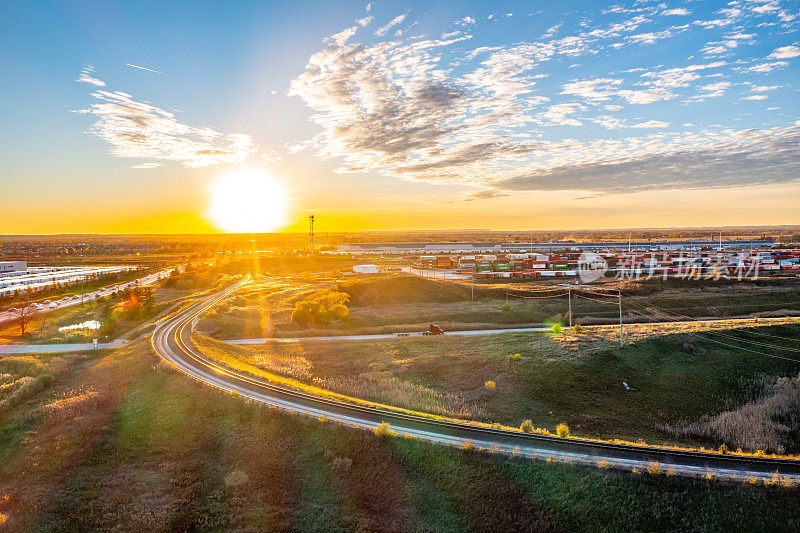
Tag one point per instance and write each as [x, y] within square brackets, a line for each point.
[387, 304]
[119, 442]
[549, 379]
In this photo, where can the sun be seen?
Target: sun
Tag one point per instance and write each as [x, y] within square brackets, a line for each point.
[248, 201]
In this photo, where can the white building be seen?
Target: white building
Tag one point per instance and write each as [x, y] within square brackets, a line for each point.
[365, 269]
[13, 266]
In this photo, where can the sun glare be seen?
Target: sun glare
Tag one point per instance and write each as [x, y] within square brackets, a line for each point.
[248, 201]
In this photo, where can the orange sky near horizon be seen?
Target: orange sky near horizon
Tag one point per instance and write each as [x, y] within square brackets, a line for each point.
[344, 212]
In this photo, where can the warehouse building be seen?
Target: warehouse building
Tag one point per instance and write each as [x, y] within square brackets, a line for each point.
[13, 266]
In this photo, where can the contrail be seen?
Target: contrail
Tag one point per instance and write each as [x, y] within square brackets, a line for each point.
[145, 68]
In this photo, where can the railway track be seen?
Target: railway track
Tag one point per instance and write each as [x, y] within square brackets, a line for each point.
[172, 341]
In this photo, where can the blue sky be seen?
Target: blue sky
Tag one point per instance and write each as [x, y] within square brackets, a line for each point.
[414, 114]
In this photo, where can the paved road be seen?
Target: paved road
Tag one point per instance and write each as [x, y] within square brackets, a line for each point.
[105, 291]
[762, 322]
[11, 349]
[383, 336]
[172, 341]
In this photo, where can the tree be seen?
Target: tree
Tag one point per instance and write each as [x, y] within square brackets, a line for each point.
[322, 307]
[23, 315]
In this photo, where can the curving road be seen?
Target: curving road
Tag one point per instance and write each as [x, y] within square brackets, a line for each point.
[172, 341]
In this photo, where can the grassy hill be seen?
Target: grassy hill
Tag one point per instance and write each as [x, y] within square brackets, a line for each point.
[119, 441]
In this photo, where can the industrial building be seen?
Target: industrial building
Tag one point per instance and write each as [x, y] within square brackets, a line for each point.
[431, 248]
[13, 266]
[365, 269]
[36, 278]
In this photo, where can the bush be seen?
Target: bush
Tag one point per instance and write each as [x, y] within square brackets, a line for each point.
[383, 430]
[654, 468]
[577, 329]
[490, 384]
[526, 426]
[556, 329]
[322, 308]
[467, 446]
[562, 430]
[515, 357]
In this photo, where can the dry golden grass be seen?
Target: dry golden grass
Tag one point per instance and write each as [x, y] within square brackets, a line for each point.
[761, 425]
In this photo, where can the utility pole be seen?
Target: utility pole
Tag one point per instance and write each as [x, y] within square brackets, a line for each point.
[620, 318]
[473, 289]
[311, 233]
[569, 295]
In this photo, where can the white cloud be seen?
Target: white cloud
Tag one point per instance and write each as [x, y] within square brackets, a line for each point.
[338, 39]
[364, 21]
[785, 52]
[437, 110]
[763, 68]
[764, 88]
[559, 114]
[649, 124]
[86, 77]
[392, 23]
[706, 160]
[714, 90]
[142, 130]
[676, 11]
[756, 97]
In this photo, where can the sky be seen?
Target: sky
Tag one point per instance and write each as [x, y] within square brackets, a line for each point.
[119, 117]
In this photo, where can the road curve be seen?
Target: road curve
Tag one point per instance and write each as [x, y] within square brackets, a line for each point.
[172, 341]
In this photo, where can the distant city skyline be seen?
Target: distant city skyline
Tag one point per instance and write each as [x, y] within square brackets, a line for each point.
[249, 116]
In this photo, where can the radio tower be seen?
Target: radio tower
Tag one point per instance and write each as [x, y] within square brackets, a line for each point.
[311, 232]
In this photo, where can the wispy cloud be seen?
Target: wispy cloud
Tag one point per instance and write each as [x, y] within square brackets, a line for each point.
[716, 160]
[443, 111]
[144, 68]
[86, 77]
[391, 24]
[785, 52]
[139, 129]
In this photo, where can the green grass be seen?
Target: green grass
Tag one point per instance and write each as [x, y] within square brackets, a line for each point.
[160, 452]
[549, 383]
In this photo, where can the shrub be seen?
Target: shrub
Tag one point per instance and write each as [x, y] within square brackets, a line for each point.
[654, 468]
[556, 329]
[723, 449]
[322, 308]
[526, 426]
[515, 357]
[467, 446]
[562, 430]
[602, 463]
[577, 329]
[490, 384]
[383, 430]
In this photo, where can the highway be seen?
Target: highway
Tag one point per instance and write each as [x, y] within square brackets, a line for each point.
[172, 341]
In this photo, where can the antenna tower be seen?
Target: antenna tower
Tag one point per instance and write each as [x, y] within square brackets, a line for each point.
[311, 232]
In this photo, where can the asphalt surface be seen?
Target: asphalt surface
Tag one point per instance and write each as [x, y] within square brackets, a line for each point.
[762, 321]
[172, 341]
[11, 349]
